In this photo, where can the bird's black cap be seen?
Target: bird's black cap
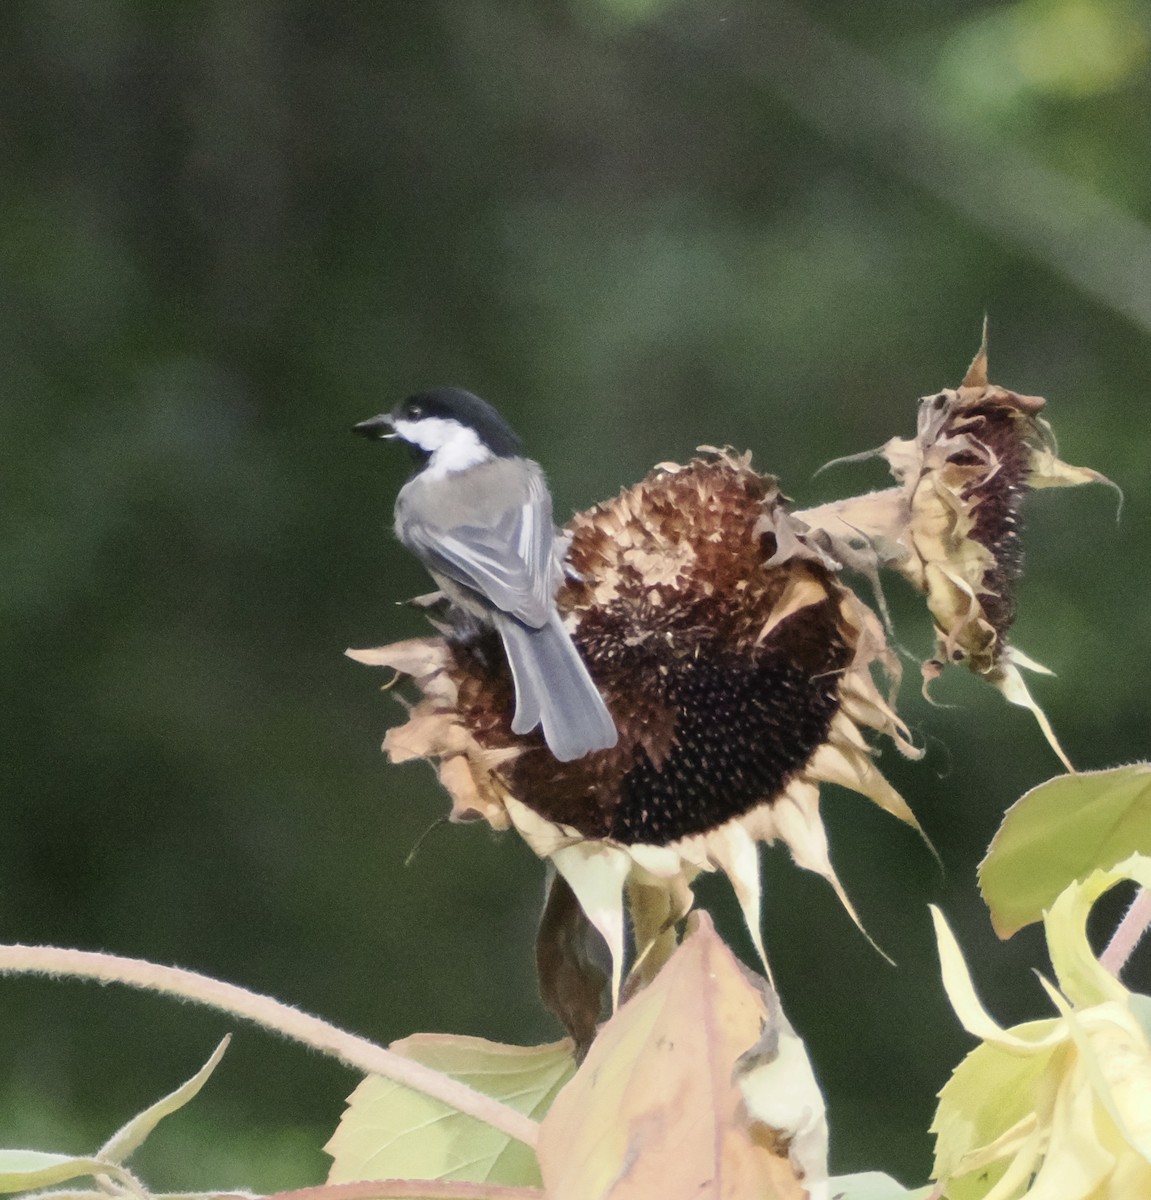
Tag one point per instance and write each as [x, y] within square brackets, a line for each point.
[455, 404]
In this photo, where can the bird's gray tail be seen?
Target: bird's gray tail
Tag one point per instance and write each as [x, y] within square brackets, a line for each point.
[553, 687]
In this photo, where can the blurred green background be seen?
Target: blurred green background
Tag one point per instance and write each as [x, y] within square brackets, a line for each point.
[231, 228]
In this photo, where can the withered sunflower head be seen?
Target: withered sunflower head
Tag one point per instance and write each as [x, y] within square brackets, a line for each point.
[739, 674]
[952, 525]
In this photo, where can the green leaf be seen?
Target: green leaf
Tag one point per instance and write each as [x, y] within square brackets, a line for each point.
[1060, 832]
[23, 1170]
[128, 1139]
[872, 1185]
[390, 1132]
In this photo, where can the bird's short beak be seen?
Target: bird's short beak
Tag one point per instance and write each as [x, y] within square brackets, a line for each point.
[376, 427]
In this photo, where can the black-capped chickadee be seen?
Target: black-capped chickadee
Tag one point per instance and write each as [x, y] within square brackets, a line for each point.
[478, 515]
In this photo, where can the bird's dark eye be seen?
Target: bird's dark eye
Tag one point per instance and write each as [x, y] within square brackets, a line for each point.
[415, 411]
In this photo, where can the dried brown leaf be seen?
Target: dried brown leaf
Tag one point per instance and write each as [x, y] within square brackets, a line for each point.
[660, 1106]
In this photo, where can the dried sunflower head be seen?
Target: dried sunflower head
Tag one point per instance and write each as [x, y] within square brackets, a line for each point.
[739, 674]
[952, 525]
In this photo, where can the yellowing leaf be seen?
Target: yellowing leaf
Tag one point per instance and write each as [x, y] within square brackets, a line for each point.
[22, 1170]
[1081, 977]
[961, 992]
[993, 1090]
[670, 1100]
[391, 1132]
[1059, 832]
[1057, 1109]
[128, 1139]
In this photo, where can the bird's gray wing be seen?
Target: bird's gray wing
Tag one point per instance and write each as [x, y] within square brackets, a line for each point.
[508, 560]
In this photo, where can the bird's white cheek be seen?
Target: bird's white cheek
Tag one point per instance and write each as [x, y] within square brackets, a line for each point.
[429, 434]
[452, 446]
[461, 451]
